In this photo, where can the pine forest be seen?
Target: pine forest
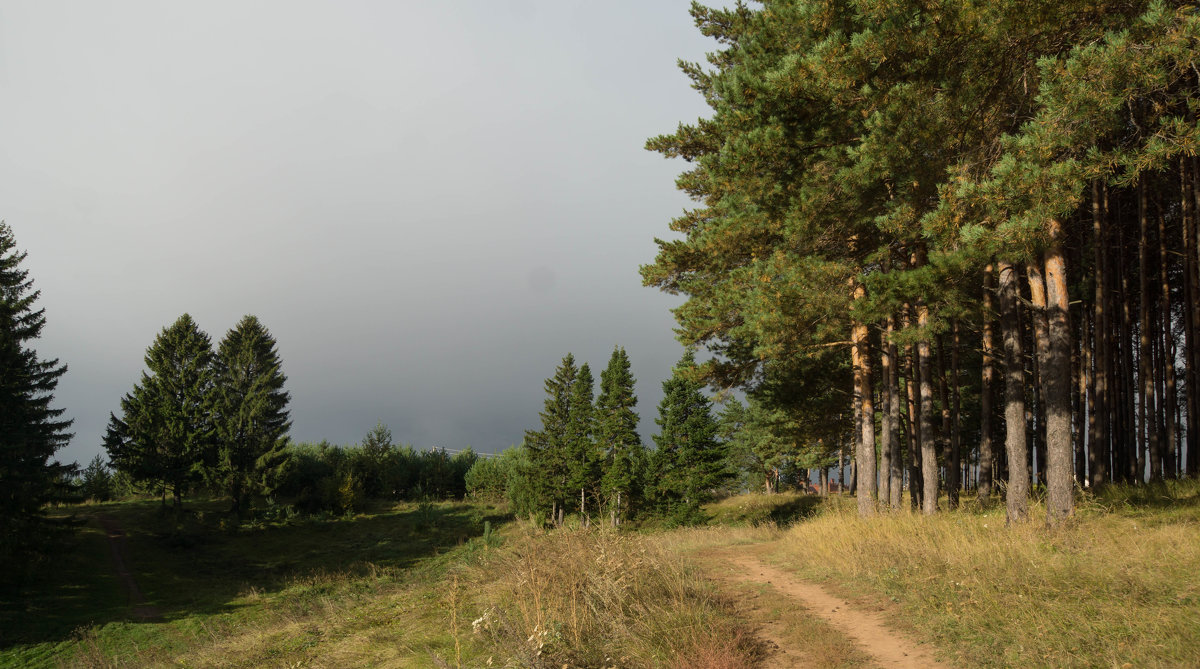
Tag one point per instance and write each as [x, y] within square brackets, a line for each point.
[931, 398]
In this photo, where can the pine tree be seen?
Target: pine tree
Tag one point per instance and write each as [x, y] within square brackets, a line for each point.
[32, 430]
[689, 462]
[617, 437]
[249, 409]
[549, 448]
[166, 436]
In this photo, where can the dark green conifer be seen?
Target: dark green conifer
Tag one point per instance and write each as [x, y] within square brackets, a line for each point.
[166, 436]
[617, 437]
[690, 463]
[30, 429]
[549, 448]
[584, 458]
[249, 410]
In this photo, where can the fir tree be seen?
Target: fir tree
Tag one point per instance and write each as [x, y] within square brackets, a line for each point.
[249, 409]
[583, 456]
[617, 437]
[549, 447]
[690, 463]
[32, 430]
[166, 435]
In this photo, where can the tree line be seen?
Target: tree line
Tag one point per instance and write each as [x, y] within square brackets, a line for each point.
[588, 458]
[959, 239]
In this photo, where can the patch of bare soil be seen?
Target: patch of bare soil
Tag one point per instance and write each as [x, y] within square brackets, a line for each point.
[119, 549]
[867, 629]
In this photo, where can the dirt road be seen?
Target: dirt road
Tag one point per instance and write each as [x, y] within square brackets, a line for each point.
[866, 629]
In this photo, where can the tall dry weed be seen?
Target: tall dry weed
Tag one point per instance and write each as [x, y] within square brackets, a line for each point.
[593, 597]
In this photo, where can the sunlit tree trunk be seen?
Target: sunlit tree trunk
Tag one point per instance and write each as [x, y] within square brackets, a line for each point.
[1015, 444]
[929, 465]
[1060, 498]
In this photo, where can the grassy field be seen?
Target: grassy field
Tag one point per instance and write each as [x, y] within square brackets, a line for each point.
[431, 585]
[1117, 586]
[455, 585]
[209, 585]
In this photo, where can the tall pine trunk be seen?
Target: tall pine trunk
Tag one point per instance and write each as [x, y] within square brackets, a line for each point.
[1098, 427]
[896, 471]
[987, 388]
[929, 465]
[914, 420]
[886, 434]
[954, 461]
[1147, 432]
[1168, 352]
[1060, 499]
[1015, 444]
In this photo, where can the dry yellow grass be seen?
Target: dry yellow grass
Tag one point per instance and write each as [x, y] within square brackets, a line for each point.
[1106, 590]
[598, 598]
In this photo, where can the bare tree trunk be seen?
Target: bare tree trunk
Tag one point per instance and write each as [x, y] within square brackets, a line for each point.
[1128, 393]
[1167, 341]
[868, 491]
[1086, 401]
[987, 388]
[1041, 344]
[896, 470]
[1015, 445]
[929, 465]
[1060, 498]
[886, 431]
[1147, 433]
[914, 420]
[953, 482]
[1098, 428]
[944, 400]
[1192, 311]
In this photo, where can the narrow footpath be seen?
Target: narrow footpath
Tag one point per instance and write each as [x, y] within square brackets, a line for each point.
[866, 629]
[119, 548]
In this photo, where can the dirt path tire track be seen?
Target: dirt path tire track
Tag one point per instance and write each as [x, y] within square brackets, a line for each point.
[119, 549]
[868, 629]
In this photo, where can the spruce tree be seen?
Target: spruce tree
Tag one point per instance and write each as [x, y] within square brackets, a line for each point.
[617, 437]
[31, 429]
[690, 463]
[166, 436]
[549, 447]
[249, 410]
[583, 457]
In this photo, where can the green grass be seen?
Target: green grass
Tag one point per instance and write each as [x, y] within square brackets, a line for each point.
[207, 581]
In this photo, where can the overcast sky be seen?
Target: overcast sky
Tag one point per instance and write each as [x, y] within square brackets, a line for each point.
[428, 204]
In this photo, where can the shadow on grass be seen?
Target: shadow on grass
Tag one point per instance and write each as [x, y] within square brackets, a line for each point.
[196, 567]
[795, 510]
[782, 510]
